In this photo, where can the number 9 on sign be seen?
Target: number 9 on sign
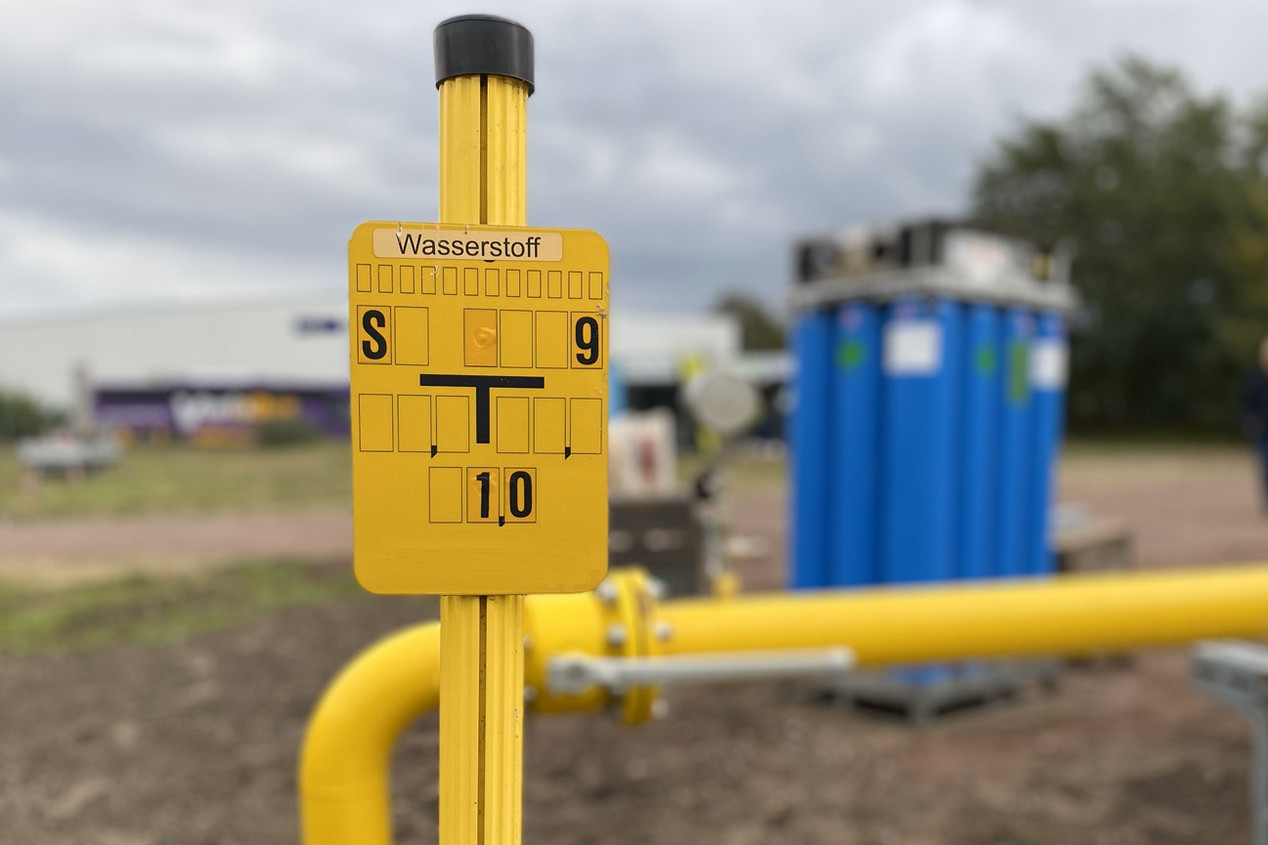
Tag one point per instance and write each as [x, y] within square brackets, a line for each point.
[587, 344]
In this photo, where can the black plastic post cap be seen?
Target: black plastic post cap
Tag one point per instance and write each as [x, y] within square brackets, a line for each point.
[471, 45]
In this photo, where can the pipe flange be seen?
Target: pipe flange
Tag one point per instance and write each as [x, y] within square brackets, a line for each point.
[629, 606]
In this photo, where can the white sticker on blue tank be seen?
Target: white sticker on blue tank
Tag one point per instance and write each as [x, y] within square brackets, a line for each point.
[1049, 364]
[913, 348]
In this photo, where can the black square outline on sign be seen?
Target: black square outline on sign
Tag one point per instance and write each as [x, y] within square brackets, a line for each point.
[388, 331]
[565, 341]
[518, 277]
[449, 281]
[595, 285]
[492, 283]
[435, 433]
[470, 281]
[396, 341]
[462, 505]
[533, 283]
[385, 270]
[427, 279]
[400, 402]
[573, 402]
[576, 287]
[528, 443]
[533, 423]
[554, 284]
[368, 286]
[391, 421]
[532, 339]
[402, 272]
[506, 495]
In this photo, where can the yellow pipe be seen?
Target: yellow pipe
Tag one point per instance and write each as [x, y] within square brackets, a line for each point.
[347, 750]
[560, 624]
[346, 757]
[1064, 615]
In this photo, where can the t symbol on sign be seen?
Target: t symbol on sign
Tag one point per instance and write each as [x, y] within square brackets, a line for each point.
[482, 385]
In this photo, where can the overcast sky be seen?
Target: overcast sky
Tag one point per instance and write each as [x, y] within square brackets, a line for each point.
[163, 149]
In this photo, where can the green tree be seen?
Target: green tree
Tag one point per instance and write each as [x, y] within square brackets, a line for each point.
[22, 416]
[758, 329]
[1162, 191]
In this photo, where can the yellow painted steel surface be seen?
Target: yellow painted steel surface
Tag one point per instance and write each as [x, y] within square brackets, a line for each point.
[481, 718]
[616, 622]
[563, 624]
[462, 696]
[1064, 615]
[482, 180]
[502, 723]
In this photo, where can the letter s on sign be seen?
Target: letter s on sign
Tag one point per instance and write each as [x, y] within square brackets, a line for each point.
[374, 346]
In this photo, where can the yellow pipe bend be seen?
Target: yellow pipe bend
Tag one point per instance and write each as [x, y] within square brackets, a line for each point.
[346, 757]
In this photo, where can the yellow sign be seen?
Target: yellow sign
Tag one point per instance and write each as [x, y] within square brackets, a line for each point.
[479, 408]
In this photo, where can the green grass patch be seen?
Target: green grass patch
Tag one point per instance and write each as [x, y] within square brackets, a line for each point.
[149, 610]
[183, 479]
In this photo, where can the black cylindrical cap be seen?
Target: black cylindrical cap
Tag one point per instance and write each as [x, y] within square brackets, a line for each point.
[478, 44]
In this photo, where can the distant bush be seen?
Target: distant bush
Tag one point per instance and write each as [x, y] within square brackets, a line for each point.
[22, 416]
[280, 433]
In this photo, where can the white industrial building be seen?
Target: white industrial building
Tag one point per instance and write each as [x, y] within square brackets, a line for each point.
[292, 343]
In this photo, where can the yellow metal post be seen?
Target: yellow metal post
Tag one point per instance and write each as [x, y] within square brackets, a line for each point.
[482, 180]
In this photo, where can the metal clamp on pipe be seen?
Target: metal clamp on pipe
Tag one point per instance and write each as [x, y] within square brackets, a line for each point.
[574, 674]
[616, 621]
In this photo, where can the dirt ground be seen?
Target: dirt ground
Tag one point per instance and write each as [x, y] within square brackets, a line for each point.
[196, 743]
[64, 551]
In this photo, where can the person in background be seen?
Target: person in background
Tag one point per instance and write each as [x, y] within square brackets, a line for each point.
[1255, 414]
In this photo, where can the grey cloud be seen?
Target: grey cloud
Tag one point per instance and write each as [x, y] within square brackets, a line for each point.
[699, 138]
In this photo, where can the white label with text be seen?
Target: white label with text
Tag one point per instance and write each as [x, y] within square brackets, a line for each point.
[485, 244]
